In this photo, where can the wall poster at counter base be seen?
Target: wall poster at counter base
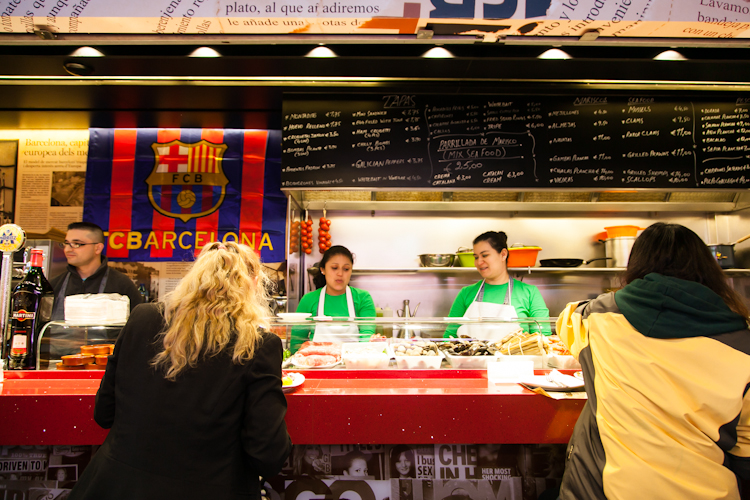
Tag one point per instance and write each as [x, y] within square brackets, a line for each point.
[513, 141]
[493, 472]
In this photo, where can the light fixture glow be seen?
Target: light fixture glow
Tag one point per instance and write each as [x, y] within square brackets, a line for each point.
[670, 55]
[204, 52]
[554, 54]
[86, 52]
[321, 51]
[437, 53]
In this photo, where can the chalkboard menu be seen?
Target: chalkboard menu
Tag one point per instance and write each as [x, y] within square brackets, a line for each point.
[454, 142]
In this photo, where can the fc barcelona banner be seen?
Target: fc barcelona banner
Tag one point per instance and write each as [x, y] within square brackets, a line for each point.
[163, 194]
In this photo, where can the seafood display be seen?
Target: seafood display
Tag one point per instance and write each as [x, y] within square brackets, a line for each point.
[464, 347]
[556, 346]
[518, 342]
[317, 355]
[416, 354]
[365, 355]
[415, 348]
[522, 344]
[420, 353]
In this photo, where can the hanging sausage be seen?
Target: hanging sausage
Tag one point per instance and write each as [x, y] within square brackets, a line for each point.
[324, 235]
[294, 237]
[307, 234]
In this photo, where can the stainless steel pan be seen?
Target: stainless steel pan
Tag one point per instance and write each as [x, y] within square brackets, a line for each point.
[566, 262]
[724, 254]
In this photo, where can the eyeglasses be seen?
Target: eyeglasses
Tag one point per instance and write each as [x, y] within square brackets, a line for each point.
[74, 244]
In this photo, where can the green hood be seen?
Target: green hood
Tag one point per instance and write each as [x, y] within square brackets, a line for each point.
[670, 308]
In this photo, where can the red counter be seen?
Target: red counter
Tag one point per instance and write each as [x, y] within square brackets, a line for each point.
[331, 407]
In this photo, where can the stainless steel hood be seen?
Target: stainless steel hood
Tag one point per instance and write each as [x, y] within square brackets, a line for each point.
[523, 201]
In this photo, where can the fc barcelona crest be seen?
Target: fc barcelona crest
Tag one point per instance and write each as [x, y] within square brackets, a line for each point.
[188, 180]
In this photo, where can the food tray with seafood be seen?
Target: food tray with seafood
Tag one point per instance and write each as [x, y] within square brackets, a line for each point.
[365, 355]
[467, 354]
[559, 356]
[468, 362]
[416, 354]
[522, 343]
[317, 355]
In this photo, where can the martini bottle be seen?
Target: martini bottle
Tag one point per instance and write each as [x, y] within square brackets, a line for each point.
[31, 308]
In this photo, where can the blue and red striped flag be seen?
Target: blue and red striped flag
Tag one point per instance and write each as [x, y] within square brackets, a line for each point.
[163, 194]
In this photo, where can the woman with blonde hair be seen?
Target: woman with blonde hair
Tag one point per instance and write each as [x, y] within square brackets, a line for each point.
[192, 394]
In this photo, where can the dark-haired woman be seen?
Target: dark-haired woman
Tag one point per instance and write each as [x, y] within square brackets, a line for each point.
[497, 295]
[666, 361]
[403, 465]
[335, 298]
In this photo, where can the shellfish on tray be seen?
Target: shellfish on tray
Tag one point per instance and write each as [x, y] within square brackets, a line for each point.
[467, 348]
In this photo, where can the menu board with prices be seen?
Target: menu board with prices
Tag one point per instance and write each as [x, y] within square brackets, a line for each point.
[504, 141]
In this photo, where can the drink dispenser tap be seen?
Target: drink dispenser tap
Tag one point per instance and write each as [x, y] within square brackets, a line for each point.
[406, 313]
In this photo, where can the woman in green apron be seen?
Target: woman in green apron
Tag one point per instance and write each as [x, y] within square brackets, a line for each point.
[497, 296]
[335, 298]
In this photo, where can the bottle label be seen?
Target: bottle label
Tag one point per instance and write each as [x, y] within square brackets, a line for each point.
[23, 315]
[18, 345]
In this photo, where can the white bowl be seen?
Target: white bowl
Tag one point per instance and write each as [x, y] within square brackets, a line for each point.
[418, 362]
[357, 361]
[365, 355]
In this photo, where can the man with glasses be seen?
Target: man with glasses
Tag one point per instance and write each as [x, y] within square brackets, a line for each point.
[88, 271]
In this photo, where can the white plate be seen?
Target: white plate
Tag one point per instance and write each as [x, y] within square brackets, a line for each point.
[293, 316]
[316, 367]
[294, 358]
[571, 383]
[297, 380]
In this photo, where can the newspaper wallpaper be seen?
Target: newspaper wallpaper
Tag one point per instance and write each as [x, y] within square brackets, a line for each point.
[488, 18]
[346, 472]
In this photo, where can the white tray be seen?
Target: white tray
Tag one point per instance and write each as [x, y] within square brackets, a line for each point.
[469, 362]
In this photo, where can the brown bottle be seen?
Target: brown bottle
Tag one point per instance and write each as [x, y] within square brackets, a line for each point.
[31, 309]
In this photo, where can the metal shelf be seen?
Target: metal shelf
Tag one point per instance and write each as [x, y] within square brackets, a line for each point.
[473, 270]
[514, 270]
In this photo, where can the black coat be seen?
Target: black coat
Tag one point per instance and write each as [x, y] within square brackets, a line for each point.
[209, 434]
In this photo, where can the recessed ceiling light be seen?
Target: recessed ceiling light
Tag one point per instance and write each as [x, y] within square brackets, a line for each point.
[204, 52]
[86, 52]
[321, 51]
[554, 54]
[437, 53]
[78, 69]
[670, 55]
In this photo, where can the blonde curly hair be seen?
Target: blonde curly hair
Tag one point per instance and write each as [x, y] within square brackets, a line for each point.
[221, 299]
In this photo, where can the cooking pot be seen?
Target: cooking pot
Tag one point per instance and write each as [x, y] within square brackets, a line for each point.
[566, 262]
[617, 250]
[724, 254]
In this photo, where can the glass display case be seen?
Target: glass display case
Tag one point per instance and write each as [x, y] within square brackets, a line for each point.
[60, 338]
[418, 342]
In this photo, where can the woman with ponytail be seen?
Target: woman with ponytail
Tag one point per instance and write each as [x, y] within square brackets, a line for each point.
[335, 298]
